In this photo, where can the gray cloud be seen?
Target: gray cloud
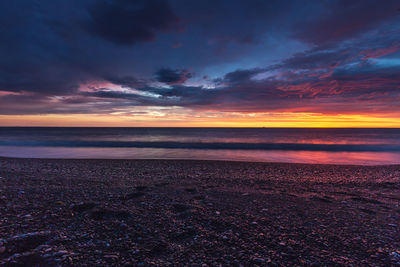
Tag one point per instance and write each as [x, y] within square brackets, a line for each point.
[126, 22]
[171, 77]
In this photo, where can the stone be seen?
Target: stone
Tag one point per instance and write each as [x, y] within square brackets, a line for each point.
[81, 207]
[258, 260]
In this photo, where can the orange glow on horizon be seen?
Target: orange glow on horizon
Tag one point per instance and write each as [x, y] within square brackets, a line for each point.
[206, 119]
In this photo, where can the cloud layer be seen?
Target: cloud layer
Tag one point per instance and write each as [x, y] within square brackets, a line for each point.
[107, 56]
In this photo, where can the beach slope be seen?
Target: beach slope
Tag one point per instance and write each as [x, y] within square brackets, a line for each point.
[197, 213]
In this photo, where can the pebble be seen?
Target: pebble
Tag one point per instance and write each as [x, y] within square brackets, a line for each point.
[395, 256]
[111, 256]
[42, 247]
[234, 234]
[258, 260]
[29, 235]
[59, 253]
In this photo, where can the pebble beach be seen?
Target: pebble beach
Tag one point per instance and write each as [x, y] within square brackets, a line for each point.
[65, 212]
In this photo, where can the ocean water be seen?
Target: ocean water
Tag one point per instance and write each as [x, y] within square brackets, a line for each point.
[370, 146]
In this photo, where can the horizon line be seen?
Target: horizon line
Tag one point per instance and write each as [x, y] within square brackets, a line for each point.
[228, 127]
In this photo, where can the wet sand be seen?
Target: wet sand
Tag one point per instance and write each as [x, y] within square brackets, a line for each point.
[197, 213]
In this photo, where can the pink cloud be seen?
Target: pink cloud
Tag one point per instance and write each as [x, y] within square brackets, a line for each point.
[380, 52]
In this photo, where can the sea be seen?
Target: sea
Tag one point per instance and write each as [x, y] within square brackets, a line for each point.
[361, 146]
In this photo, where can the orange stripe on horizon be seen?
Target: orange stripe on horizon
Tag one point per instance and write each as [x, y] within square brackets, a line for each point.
[215, 119]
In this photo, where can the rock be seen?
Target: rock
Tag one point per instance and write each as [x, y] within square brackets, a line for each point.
[59, 253]
[367, 211]
[112, 256]
[25, 242]
[81, 207]
[321, 199]
[25, 259]
[157, 247]
[123, 226]
[172, 228]
[199, 197]
[180, 207]
[41, 247]
[258, 260]
[101, 214]
[191, 190]
[395, 256]
[179, 236]
[141, 187]
[366, 200]
[132, 195]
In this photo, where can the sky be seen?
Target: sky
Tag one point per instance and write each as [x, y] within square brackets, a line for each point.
[250, 63]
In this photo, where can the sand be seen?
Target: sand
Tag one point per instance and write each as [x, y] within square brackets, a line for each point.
[197, 213]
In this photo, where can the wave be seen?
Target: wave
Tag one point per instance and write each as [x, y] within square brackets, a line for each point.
[217, 145]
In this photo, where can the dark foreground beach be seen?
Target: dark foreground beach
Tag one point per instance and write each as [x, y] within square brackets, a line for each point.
[197, 213]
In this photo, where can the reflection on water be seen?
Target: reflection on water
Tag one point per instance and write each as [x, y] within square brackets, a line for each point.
[322, 157]
[305, 145]
[204, 135]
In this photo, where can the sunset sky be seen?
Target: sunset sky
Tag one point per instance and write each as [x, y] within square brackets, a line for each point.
[200, 63]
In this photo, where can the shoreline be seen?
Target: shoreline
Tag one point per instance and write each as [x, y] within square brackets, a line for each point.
[149, 212]
[198, 160]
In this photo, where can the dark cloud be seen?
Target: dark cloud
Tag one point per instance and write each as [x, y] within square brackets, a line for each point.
[315, 59]
[171, 77]
[111, 94]
[337, 56]
[234, 23]
[126, 22]
[241, 75]
[344, 19]
[46, 49]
